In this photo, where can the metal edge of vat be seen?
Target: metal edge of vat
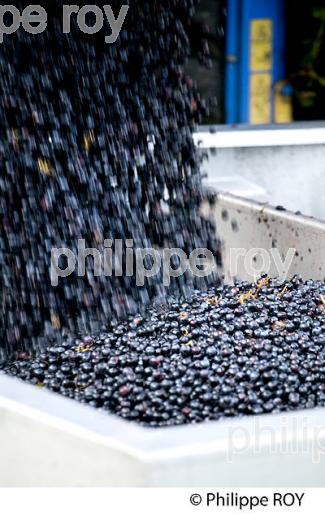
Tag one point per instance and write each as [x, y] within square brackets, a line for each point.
[271, 450]
[248, 225]
[72, 445]
[249, 136]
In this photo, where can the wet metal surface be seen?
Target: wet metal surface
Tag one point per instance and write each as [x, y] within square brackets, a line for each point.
[248, 225]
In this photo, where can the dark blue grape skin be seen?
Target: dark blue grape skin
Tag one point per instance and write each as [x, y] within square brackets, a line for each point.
[216, 374]
[77, 118]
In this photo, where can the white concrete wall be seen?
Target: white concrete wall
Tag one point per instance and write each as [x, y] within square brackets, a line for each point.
[257, 165]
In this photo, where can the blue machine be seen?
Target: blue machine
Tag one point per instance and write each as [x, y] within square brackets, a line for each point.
[255, 70]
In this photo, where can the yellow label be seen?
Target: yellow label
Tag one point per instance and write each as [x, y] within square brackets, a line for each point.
[260, 99]
[261, 45]
[283, 105]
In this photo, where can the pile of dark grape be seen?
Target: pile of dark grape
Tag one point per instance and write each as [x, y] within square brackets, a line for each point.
[233, 351]
[95, 144]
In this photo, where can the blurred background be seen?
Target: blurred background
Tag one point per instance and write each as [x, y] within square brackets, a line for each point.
[260, 62]
[260, 67]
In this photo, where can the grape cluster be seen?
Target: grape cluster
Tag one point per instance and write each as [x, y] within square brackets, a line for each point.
[232, 351]
[95, 143]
